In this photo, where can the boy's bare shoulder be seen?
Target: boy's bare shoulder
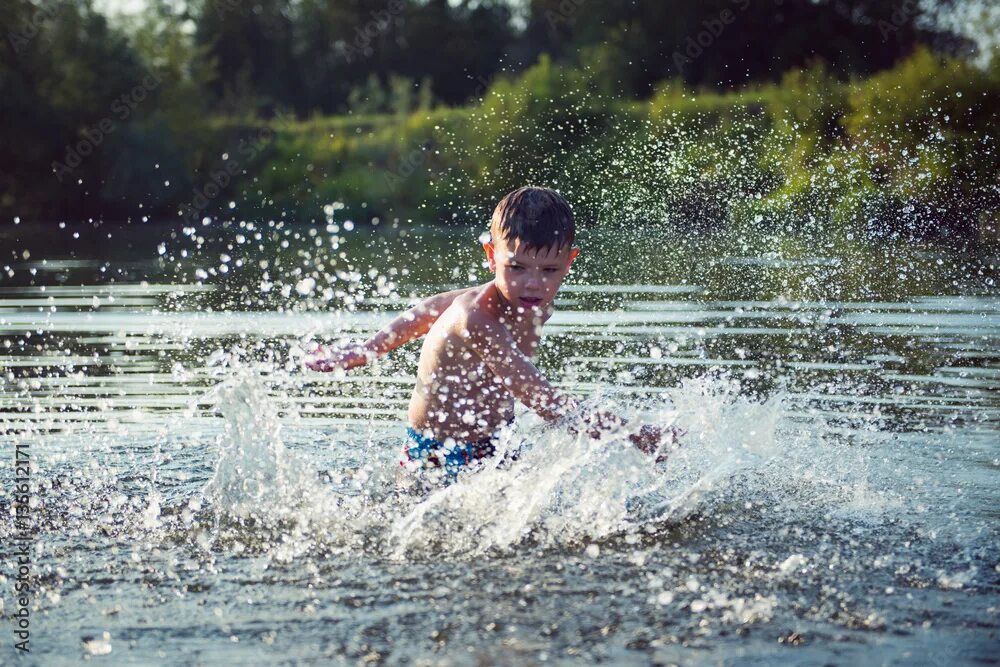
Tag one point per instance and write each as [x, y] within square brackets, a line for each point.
[472, 311]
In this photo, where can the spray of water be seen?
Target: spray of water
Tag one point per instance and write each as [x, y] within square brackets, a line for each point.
[563, 491]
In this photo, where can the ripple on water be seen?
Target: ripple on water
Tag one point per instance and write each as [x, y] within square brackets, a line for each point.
[837, 485]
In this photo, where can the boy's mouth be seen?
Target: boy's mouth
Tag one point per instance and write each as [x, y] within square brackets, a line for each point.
[530, 303]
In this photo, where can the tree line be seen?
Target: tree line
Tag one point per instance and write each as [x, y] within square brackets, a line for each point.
[123, 119]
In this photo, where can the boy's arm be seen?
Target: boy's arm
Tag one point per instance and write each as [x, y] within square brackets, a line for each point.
[494, 344]
[411, 324]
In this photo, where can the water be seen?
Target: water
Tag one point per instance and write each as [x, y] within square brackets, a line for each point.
[198, 499]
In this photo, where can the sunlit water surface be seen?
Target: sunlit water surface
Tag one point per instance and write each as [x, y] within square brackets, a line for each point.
[200, 500]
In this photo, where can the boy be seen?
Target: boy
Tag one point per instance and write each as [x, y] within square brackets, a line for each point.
[476, 358]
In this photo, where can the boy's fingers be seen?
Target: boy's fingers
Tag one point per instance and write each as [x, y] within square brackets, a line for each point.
[320, 364]
[644, 444]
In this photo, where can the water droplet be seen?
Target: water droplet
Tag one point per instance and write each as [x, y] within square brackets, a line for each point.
[306, 286]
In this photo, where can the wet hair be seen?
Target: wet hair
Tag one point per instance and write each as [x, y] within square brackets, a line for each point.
[537, 217]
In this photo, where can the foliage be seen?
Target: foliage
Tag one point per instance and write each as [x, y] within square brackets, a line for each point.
[794, 157]
[840, 136]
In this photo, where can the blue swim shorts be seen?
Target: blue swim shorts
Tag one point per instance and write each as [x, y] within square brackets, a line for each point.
[425, 452]
[433, 453]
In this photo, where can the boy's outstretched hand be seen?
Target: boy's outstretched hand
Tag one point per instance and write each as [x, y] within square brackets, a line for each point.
[325, 360]
[649, 437]
[647, 440]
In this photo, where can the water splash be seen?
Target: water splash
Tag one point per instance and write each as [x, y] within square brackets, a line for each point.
[256, 482]
[563, 492]
[568, 490]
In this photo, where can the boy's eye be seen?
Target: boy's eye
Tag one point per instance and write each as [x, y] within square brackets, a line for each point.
[551, 270]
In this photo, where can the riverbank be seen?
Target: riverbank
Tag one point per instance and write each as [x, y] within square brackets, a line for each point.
[908, 153]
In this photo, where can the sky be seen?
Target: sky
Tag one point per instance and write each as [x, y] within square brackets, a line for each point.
[112, 7]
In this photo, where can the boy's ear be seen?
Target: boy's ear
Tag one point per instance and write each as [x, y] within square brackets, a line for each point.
[572, 255]
[490, 255]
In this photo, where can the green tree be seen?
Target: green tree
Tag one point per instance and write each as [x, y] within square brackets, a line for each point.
[252, 45]
[62, 70]
[720, 43]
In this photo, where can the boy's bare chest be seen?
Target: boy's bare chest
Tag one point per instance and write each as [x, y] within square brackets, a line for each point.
[452, 354]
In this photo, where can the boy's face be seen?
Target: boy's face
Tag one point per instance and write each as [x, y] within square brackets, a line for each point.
[528, 278]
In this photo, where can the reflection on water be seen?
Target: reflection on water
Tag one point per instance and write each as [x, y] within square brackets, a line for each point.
[836, 493]
[118, 347]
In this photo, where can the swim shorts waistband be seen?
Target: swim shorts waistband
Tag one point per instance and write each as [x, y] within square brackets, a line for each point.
[435, 454]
